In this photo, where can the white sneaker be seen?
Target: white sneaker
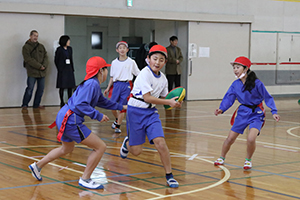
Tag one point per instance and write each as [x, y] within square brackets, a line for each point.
[117, 130]
[172, 183]
[113, 126]
[123, 150]
[247, 165]
[219, 161]
[90, 184]
[35, 172]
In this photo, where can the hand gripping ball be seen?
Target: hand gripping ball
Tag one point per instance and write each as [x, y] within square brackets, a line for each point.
[176, 92]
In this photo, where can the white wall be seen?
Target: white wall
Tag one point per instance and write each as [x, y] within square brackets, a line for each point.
[14, 32]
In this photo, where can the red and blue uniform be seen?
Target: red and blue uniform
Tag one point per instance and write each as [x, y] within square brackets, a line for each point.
[249, 113]
[82, 103]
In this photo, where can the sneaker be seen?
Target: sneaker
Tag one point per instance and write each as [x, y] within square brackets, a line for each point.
[35, 172]
[90, 184]
[172, 183]
[123, 150]
[117, 130]
[247, 165]
[113, 126]
[219, 161]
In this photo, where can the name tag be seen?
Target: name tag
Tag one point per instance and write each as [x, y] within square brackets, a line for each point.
[68, 61]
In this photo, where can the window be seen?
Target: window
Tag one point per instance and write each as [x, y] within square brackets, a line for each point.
[96, 40]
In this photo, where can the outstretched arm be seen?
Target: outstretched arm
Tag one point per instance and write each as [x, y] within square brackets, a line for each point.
[218, 111]
[276, 117]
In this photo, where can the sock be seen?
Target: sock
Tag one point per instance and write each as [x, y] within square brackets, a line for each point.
[87, 180]
[222, 157]
[118, 126]
[168, 176]
[116, 122]
[248, 159]
[39, 169]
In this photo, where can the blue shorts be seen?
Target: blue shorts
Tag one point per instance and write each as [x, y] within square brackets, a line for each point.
[75, 130]
[246, 117]
[141, 122]
[120, 92]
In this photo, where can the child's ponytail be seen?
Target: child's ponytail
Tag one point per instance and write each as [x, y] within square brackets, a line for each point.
[250, 81]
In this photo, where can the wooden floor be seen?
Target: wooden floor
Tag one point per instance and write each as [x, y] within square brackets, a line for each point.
[194, 136]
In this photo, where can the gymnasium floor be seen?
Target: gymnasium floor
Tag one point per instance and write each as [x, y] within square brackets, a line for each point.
[194, 136]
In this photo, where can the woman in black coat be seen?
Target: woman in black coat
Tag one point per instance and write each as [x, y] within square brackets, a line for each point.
[65, 69]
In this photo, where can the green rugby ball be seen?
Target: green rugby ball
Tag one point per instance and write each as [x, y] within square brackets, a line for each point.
[176, 92]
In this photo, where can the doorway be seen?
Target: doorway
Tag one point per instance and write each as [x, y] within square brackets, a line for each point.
[211, 48]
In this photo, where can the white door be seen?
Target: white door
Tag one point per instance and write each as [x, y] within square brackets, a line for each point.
[211, 48]
[98, 45]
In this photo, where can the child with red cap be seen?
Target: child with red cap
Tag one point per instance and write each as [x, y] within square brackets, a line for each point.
[250, 92]
[121, 73]
[70, 120]
[142, 116]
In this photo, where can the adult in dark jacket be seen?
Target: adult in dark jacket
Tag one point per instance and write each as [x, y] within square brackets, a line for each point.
[65, 68]
[142, 53]
[36, 63]
[173, 67]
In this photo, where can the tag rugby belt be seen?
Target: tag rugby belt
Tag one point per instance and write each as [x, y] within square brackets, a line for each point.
[140, 99]
[63, 124]
[253, 107]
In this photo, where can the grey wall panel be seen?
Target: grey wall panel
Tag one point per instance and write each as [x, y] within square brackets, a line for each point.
[266, 76]
[271, 78]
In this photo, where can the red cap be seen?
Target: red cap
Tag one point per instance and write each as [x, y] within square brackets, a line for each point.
[93, 65]
[242, 60]
[121, 42]
[160, 49]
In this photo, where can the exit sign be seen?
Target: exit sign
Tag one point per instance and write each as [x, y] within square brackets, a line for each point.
[129, 3]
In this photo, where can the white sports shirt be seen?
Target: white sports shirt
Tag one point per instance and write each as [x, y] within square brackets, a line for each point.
[146, 82]
[123, 70]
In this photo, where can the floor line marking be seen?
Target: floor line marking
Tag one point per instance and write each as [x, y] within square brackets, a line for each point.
[36, 156]
[223, 136]
[63, 168]
[80, 172]
[289, 131]
[224, 179]
[159, 196]
[20, 147]
[284, 149]
[193, 156]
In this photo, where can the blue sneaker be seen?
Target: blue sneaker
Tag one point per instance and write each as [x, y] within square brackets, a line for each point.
[35, 172]
[172, 183]
[90, 184]
[123, 150]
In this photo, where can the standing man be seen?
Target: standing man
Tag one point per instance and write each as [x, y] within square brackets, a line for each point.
[173, 68]
[36, 63]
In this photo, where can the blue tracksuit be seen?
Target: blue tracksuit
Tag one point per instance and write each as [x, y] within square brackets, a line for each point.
[83, 102]
[245, 115]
